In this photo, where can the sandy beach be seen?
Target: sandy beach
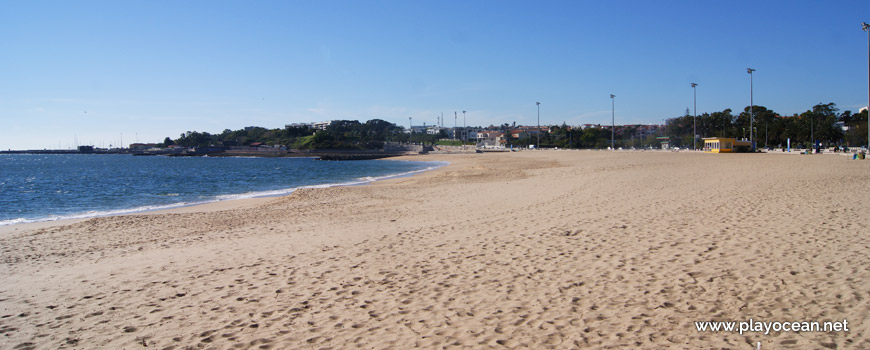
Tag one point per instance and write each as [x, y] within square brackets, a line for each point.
[536, 249]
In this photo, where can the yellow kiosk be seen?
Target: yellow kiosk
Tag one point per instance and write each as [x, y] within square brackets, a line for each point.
[726, 145]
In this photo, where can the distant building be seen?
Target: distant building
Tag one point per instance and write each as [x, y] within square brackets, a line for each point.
[417, 129]
[725, 145]
[665, 141]
[463, 133]
[519, 133]
[322, 125]
[299, 125]
[144, 146]
[491, 139]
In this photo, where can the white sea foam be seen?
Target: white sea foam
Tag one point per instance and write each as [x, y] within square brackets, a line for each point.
[99, 213]
[255, 194]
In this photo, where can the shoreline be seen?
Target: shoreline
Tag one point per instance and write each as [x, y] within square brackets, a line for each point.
[184, 207]
[233, 203]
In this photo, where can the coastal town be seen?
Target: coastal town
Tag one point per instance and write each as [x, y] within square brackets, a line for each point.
[821, 128]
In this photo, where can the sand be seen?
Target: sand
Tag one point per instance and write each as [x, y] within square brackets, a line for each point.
[536, 249]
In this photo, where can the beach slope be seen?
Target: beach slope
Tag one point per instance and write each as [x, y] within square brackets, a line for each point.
[541, 249]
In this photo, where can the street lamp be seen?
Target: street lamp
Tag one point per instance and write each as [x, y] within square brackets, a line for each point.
[612, 121]
[464, 126]
[454, 125]
[866, 28]
[538, 132]
[751, 117]
[694, 116]
[410, 129]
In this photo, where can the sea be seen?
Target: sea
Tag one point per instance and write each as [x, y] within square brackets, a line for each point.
[37, 187]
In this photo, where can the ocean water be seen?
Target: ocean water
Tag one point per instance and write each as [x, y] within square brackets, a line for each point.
[51, 187]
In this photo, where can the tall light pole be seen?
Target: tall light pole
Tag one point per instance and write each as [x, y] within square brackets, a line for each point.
[612, 121]
[751, 117]
[464, 127]
[538, 146]
[454, 125]
[410, 129]
[866, 28]
[694, 117]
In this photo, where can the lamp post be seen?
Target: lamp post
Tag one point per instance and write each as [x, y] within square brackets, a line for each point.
[751, 117]
[612, 121]
[454, 125]
[866, 28]
[410, 129]
[694, 116]
[464, 127]
[538, 132]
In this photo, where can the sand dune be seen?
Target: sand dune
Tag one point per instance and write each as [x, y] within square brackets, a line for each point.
[542, 249]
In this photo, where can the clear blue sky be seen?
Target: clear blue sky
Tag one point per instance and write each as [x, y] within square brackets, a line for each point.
[93, 71]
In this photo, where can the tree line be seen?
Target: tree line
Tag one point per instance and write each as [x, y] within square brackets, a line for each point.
[770, 128]
[340, 134]
[774, 130]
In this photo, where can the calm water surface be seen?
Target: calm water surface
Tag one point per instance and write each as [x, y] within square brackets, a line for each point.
[51, 187]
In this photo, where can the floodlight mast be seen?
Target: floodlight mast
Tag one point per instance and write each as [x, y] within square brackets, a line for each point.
[612, 121]
[538, 132]
[866, 27]
[464, 127]
[694, 117]
[751, 117]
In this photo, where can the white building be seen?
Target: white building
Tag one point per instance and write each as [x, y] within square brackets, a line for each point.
[298, 125]
[417, 129]
[322, 125]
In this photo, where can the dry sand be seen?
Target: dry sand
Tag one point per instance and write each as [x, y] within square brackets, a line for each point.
[542, 249]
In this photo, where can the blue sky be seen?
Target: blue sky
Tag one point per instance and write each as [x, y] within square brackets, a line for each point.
[94, 72]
